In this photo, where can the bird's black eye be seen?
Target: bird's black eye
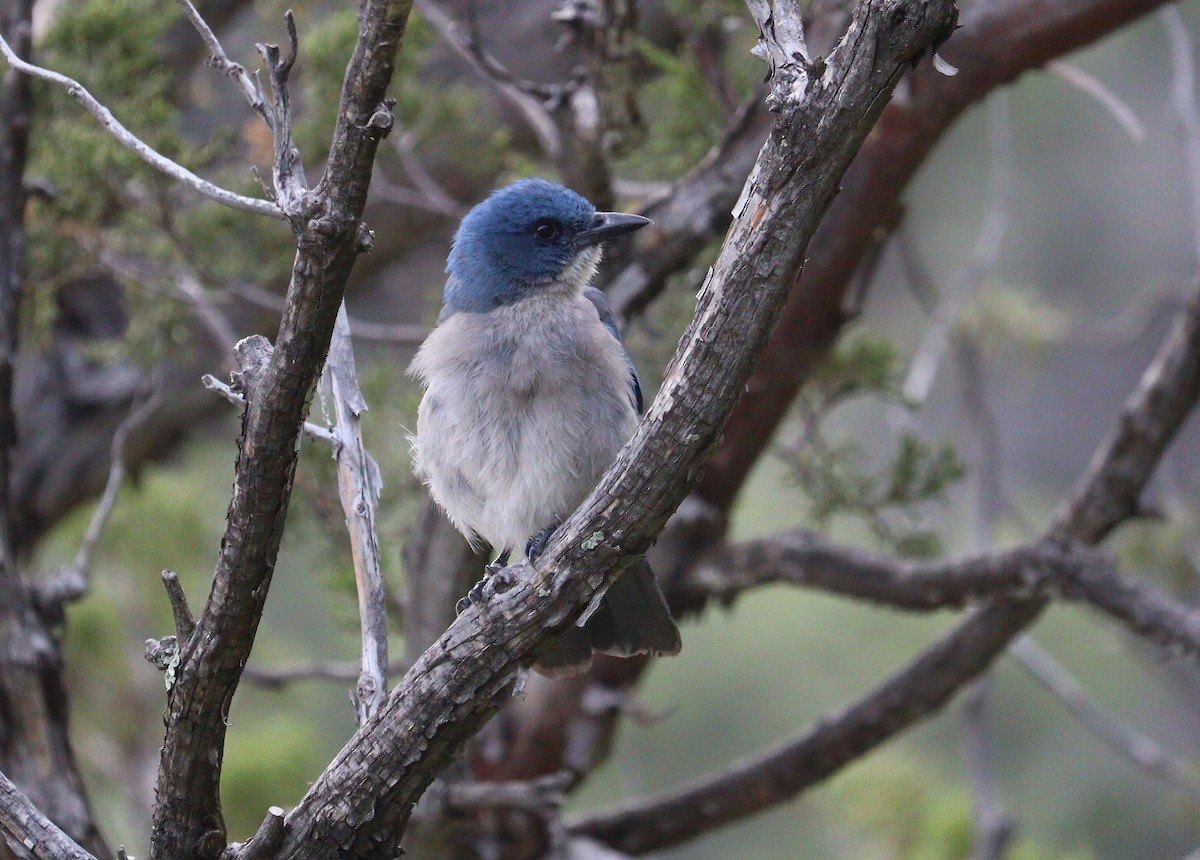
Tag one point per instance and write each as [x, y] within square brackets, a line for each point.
[547, 229]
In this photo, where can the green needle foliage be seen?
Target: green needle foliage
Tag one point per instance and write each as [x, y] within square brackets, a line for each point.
[835, 471]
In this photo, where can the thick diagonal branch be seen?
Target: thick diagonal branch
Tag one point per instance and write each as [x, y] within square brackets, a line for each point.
[1104, 496]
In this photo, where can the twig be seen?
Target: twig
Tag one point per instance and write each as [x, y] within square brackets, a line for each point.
[264, 843]
[140, 148]
[359, 484]
[314, 431]
[994, 829]
[1183, 98]
[427, 186]
[185, 623]
[287, 170]
[528, 98]
[1145, 753]
[22, 823]
[249, 86]
[984, 258]
[404, 335]
[182, 284]
[74, 580]
[1106, 98]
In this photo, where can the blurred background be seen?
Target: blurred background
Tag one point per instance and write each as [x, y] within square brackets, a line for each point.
[1044, 249]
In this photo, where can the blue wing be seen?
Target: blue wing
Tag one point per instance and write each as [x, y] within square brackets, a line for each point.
[609, 321]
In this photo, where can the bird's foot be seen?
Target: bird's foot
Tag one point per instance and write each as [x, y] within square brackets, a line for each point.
[492, 582]
[536, 545]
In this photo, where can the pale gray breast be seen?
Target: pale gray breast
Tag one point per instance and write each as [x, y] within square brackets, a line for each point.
[525, 407]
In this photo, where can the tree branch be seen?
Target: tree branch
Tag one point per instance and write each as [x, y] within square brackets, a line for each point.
[1105, 495]
[998, 41]
[359, 484]
[136, 145]
[1143, 751]
[187, 817]
[21, 821]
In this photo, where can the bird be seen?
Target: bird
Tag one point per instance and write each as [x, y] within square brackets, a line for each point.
[528, 397]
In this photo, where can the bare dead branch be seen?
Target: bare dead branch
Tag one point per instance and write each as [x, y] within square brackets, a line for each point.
[136, 145]
[359, 485]
[1105, 97]
[264, 843]
[23, 824]
[781, 42]
[287, 170]
[1145, 753]
[185, 623]
[249, 86]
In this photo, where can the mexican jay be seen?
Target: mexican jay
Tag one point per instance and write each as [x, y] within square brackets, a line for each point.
[529, 395]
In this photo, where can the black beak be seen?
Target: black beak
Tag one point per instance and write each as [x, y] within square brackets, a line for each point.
[606, 225]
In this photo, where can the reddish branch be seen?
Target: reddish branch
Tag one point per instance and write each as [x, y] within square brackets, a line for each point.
[998, 41]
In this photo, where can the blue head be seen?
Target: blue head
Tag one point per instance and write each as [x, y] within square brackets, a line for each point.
[532, 236]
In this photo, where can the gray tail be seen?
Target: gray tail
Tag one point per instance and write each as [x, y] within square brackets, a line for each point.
[632, 618]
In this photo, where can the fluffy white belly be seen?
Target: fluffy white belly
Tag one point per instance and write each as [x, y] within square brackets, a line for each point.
[525, 407]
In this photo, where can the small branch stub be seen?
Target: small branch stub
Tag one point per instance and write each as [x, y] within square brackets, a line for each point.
[781, 46]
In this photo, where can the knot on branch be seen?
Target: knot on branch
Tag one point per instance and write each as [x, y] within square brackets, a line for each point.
[253, 355]
[382, 120]
[781, 46]
[164, 654]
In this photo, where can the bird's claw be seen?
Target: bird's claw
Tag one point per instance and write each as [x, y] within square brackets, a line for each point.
[536, 545]
[493, 582]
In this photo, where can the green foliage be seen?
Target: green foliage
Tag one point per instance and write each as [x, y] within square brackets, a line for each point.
[835, 473]
[114, 47]
[1009, 320]
[898, 808]
[450, 122]
[683, 117]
